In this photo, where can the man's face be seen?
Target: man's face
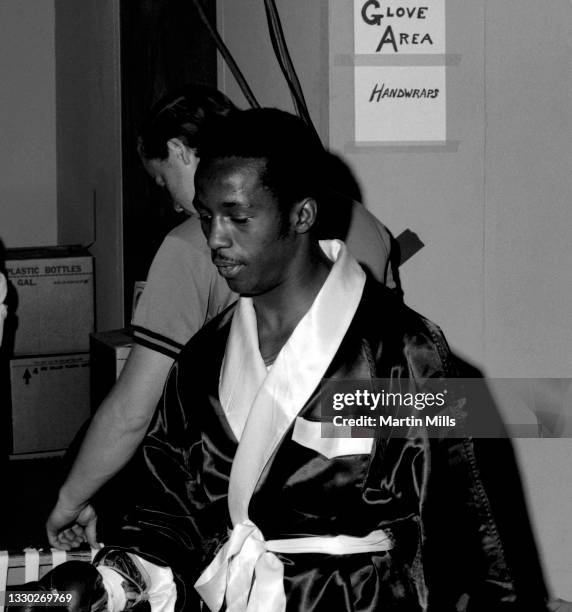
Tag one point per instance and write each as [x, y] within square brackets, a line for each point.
[176, 174]
[243, 226]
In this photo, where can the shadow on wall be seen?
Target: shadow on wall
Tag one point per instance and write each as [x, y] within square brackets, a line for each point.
[501, 476]
[343, 190]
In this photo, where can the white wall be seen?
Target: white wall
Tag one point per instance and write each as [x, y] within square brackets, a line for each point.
[89, 144]
[28, 200]
[528, 249]
[529, 188]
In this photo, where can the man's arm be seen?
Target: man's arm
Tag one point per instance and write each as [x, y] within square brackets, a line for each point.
[111, 440]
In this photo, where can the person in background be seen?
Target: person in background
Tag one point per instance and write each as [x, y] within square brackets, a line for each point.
[183, 292]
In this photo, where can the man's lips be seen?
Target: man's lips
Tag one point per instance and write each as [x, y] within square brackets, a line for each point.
[219, 262]
[227, 267]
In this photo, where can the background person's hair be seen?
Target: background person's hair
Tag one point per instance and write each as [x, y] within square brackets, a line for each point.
[181, 114]
[293, 157]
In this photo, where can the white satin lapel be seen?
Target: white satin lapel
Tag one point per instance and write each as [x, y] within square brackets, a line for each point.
[243, 370]
[297, 371]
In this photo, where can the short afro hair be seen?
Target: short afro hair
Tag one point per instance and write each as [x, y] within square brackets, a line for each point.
[293, 157]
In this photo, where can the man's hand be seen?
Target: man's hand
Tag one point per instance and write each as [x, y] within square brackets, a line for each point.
[69, 529]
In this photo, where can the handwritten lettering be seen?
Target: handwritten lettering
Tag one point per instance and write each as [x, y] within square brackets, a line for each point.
[416, 38]
[379, 93]
[372, 14]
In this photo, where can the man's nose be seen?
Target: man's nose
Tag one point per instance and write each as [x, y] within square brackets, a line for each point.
[218, 235]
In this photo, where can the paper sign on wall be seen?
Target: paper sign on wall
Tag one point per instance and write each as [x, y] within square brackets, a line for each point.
[400, 103]
[399, 26]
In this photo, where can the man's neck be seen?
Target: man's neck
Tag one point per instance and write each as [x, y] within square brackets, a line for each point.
[279, 311]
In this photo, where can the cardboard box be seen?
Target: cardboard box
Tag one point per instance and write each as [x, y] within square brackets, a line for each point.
[49, 401]
[51, 295]
[108, 353]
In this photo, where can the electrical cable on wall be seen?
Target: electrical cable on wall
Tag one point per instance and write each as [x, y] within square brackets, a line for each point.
[285, 61]
[282, 55]
[223, 49]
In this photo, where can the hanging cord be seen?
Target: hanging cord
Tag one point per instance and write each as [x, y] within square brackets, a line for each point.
[286, 65]
[223, 49]
[340, 204]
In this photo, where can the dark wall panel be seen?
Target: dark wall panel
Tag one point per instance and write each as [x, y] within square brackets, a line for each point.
[163, 46]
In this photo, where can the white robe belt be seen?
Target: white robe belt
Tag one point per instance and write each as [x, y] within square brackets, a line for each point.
[250, 577]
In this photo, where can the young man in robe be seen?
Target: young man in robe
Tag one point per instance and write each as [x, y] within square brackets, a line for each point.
[241, 496]
[245, 500]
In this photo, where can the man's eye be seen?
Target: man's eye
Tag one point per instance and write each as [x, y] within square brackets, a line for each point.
[241, 220]
[205, 218]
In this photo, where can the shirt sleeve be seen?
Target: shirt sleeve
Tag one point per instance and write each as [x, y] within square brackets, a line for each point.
[183, 292]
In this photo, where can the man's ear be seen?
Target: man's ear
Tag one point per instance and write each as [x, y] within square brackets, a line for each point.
[304, 214]
[179, 149]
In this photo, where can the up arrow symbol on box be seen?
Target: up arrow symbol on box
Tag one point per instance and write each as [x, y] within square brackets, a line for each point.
[27, 376]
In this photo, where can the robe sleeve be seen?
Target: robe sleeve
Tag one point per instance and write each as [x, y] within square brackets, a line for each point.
[475, 510]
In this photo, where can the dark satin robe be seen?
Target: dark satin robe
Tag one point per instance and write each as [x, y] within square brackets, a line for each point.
[448, 552]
